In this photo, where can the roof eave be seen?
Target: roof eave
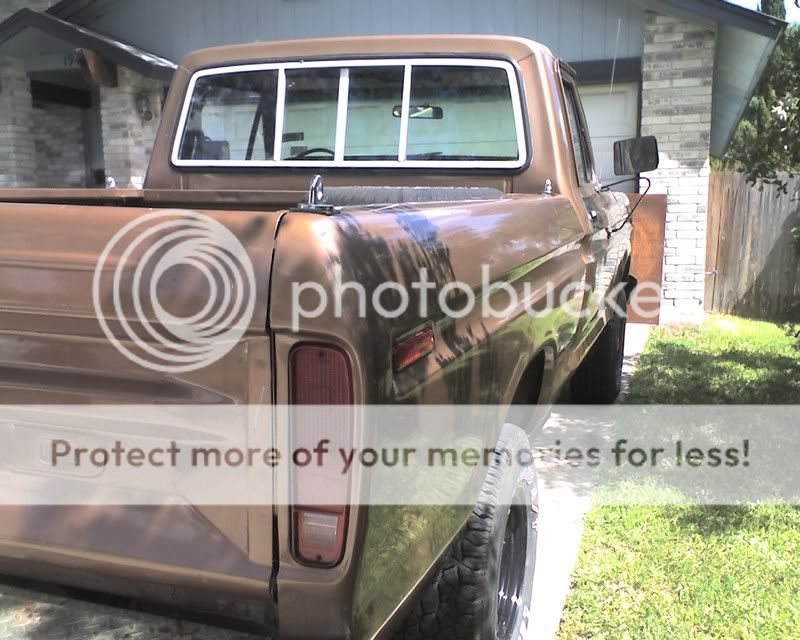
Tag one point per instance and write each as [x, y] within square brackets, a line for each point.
[731, 14]
[142, 62]
[719, 151]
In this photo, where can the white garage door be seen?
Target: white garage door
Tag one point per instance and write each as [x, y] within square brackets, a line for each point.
[611, 116]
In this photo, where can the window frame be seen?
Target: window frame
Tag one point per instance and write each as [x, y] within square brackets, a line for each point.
[571, 87]
[341, 121]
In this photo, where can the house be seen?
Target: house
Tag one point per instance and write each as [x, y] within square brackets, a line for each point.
[682, 70]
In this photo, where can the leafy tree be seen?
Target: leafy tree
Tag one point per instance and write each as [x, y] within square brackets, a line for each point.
[767, 140]
[766, 144]
[776, 8]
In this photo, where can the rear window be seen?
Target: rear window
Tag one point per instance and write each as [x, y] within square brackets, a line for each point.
[227, 117]
[410, 113]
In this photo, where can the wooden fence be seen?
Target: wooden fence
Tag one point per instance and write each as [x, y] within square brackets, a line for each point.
[752, 264]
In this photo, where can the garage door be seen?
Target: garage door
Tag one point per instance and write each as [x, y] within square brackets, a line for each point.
[611, 116]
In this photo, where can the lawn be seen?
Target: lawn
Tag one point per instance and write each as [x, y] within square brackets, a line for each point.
[726, 361]
[674, 572]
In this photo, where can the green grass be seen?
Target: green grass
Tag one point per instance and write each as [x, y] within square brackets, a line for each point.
[727, 361]
[687, 572]
[674, 572]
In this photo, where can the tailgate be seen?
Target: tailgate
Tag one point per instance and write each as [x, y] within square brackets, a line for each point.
[73, 334]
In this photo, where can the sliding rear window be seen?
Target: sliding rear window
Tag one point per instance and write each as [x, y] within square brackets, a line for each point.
[444, 113]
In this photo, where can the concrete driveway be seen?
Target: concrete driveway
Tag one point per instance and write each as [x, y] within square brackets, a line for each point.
[33, 615]
[562, 507]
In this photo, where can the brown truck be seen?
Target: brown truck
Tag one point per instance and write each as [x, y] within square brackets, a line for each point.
[366, 159]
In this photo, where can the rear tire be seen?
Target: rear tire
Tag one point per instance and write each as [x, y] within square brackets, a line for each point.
[484, 586]
[598, 379]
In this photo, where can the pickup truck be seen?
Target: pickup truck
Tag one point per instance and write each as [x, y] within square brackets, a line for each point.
[371, 160]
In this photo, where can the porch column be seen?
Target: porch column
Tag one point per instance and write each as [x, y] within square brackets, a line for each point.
[130, 113]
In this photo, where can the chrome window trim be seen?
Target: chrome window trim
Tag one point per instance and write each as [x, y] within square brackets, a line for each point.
[338, 161]
[341, 113]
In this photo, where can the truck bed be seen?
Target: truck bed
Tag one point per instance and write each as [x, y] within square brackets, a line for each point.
[99, 196]
[342, 196]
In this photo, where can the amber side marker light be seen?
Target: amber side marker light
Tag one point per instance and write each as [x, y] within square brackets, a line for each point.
[320, 375]
[413, 348]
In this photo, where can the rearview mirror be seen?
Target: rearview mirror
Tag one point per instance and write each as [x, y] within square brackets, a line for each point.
[420, 111]
[635, 155]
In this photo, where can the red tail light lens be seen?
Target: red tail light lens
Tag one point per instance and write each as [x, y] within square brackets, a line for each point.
[320, 376]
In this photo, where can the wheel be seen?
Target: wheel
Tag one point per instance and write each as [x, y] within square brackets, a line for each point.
[484, 586]
[598, 379]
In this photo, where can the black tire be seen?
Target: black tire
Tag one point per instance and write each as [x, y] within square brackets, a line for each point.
[598, 379]
[495, 552]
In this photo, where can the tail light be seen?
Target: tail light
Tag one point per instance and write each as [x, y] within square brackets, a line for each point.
[320, 376]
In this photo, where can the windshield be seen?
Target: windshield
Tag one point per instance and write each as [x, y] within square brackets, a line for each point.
[422, 112]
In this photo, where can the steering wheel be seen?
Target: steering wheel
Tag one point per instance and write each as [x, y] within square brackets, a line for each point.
[312, 151]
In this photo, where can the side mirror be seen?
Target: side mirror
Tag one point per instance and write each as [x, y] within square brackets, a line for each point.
[635, 155]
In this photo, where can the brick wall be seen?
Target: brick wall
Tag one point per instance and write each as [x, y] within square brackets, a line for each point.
[58, 140]
[17, 152]
[677, 76]
[127, 137]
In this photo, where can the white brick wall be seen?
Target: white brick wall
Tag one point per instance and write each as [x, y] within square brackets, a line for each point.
[17, 152]
[127, 138]
[677, 76]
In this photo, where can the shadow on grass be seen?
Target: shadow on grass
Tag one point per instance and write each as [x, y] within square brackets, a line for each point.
[721, 519]
[675, 374]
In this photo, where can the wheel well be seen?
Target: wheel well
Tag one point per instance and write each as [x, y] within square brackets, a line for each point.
[529, 388]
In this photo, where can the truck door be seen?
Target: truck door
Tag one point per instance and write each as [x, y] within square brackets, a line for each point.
[601, 251]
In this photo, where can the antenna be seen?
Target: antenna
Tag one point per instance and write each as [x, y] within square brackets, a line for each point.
[616, 53]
